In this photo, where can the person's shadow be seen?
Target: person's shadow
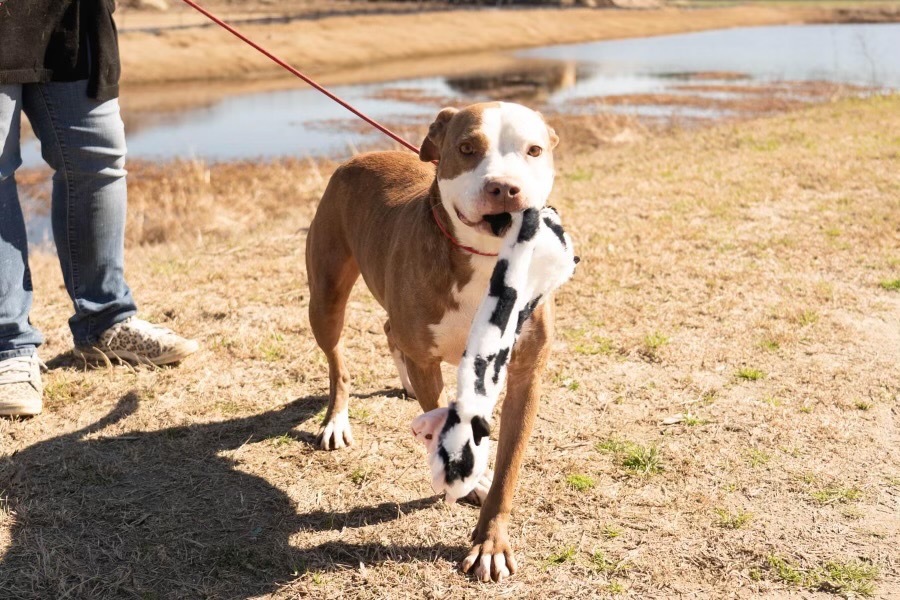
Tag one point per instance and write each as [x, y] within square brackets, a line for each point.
[160, 514]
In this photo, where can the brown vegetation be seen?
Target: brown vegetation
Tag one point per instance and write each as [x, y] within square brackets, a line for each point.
[719, 416]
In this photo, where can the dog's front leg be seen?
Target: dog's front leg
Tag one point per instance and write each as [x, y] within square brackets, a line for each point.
[491, 556]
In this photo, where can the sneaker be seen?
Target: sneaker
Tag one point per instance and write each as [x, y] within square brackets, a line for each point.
[21, 390]
[137, 341]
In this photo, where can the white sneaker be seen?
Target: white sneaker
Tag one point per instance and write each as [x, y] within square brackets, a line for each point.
[21, 389]
[137, 341]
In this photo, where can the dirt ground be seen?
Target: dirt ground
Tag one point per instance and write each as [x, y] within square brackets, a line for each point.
[720, 416]
[182, 52]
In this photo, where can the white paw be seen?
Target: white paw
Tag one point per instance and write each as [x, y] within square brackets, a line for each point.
[336, 432]
[482, 487]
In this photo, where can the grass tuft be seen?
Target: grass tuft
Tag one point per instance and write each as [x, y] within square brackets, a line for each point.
[643, 460]
[730, 520]
[750, 374]
[851, 578]
[836, 494]
[561, 556]
[580, 483]
[891, 285]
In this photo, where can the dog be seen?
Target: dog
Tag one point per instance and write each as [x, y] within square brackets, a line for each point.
[424, 233]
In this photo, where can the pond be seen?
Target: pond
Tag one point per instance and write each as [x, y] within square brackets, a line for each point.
[688, 76]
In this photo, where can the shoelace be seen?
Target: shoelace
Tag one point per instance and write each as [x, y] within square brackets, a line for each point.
[18, 369]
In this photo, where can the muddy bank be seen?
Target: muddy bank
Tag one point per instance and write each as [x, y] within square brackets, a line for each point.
[324, 46]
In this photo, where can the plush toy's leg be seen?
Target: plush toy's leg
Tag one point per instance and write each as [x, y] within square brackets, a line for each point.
[427, 427]
[491, 556]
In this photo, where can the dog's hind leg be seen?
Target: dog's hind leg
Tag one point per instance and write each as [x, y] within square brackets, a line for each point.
[332, 271]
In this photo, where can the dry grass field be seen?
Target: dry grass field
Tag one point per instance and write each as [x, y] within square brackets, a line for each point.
[720, 416]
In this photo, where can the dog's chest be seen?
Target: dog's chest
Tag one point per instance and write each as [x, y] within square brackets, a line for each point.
[452, 331]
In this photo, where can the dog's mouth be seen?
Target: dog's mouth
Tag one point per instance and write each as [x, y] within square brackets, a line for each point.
[496, 224]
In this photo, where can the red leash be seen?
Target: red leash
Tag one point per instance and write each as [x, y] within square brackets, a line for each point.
[288, 67]
[337, 99]
[456, 243]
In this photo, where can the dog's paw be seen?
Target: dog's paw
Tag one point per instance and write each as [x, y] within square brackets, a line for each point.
[335, 432]
[458, 449]
[491, 556]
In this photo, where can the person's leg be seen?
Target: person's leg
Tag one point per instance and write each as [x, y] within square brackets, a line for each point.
[20, 378]
[17, 336]
[83, 140]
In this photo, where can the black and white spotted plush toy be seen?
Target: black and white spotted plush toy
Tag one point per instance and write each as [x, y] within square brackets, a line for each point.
[536, 258]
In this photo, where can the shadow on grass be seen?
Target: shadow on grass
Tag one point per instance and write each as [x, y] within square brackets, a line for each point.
[161, 515]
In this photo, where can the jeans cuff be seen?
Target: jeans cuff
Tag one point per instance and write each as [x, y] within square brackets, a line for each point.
[101, 325]
[26, 351]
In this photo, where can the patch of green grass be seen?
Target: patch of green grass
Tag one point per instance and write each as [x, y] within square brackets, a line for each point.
[692, 420]
[851, 578]
[862, 405]
[652, 344]
[750, 374]
[848, 578]
[891, 285]
[805, 409]
[599, 345]
[758, 457]
[580, 175]
[580, 483]
[770, 345]
[281, 440]
[359, 413]
[836, 494]
[785, 571]
[573, 385]
[611, 445]
[645, 460]
[359, 476]
[614, 587]
[563, 555]
[771, 400]
[602, 564]
[272, 350]
[732, 520]
[807, 317]
[610, 531]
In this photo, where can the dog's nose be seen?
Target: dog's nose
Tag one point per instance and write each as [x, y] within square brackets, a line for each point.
[501, 190]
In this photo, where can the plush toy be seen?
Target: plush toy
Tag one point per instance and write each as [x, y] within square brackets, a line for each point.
[536, 258]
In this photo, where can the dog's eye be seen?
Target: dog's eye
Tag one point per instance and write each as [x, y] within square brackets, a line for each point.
[535, 151]
[466, 148]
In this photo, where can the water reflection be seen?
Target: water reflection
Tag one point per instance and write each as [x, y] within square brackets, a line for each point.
[645, 77]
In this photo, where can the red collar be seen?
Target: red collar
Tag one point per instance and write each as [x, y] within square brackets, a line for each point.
[456, 243]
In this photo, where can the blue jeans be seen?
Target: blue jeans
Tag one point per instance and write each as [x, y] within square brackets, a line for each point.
[83, 141]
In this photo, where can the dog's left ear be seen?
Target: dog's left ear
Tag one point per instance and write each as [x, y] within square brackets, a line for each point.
[554, 139]
[431, 146]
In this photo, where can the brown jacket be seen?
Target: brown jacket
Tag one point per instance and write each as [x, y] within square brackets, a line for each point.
[60, 40]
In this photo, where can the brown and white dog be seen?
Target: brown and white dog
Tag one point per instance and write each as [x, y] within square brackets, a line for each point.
[390, 216]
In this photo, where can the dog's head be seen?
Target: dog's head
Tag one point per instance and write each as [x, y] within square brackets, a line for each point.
[493, 159]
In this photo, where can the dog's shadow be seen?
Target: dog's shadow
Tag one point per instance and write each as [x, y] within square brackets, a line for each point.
[162, 514]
